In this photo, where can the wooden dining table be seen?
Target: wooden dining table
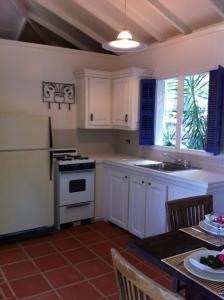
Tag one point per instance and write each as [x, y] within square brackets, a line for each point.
[156, 248]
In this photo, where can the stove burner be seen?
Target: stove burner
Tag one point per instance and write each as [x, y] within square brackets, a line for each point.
[70, 157]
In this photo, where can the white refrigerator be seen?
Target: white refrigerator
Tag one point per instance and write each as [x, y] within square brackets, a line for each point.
[26, 186]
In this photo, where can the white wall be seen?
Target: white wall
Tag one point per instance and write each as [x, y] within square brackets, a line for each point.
[23, 66]
[200, 51]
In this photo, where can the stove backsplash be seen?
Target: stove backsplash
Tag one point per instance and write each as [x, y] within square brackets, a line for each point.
[87, 141]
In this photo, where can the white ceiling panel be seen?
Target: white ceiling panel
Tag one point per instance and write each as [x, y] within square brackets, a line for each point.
[194, 13]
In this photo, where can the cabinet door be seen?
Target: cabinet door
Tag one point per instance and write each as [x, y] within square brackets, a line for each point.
[99, 95]
[100, 193]
[118, 193]
[156, 218]
[136, 216]
[177, 192]
[121, 102]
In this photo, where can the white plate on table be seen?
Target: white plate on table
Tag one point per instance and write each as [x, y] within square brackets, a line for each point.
[213, 275]
[210, 229]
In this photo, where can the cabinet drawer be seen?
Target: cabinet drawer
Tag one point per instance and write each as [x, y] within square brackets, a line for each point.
[75, 213]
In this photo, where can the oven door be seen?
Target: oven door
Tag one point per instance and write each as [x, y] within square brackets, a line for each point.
[76, 187]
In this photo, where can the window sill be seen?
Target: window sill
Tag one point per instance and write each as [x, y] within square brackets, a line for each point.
[184, 151]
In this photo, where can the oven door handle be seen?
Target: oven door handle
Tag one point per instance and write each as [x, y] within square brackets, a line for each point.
[77, 205]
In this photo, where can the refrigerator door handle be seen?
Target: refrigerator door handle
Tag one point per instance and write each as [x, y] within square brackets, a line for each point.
[50, 150]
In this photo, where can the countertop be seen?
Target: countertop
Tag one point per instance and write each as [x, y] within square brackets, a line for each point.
[199, 176]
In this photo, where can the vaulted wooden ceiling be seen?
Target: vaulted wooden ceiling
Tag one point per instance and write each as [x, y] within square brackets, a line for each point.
[85, 24]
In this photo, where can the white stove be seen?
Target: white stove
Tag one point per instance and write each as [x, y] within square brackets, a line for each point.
[74, 186]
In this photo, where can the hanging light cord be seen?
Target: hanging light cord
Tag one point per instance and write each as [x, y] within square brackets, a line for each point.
[125, 13]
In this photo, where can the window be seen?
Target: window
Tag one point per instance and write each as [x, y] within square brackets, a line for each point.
[181, 111]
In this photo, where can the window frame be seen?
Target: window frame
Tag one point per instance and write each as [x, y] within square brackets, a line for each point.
[180, 99]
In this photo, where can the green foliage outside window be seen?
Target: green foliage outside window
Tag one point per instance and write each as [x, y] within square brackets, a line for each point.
[195, 111]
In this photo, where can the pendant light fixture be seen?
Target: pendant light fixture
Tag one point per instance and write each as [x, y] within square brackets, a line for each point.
[124, 41]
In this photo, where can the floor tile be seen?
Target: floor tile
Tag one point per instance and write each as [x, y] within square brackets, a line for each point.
[80, 291]
[123, 241]
[35, 241]
[66, 244]
[51, 261]
[91, 238]
[70, 281]
[12, 256]
[94, 268]
[45, 296]
[106, 284]
[63, 276]
[78, 230]
[79, 255]
[8, 247]
[62, 234]
[18, 270]
[102, 249]
[6, 290]
[39, 250]
[29, 286]
[114, 297]
[112, 232]
[108, 259]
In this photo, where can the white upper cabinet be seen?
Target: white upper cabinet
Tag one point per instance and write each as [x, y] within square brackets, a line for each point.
[93, 94]
[126, 96]
[121, 103]
[109, 99]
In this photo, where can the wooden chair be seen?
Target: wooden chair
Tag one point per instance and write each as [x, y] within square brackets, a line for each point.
[134, 285]
[188, 212]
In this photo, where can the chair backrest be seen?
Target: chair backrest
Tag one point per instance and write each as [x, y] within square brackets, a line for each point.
[134, 285]
[188, 212]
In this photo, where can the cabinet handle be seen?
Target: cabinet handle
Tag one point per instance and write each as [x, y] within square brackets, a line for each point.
[149, 183]
[126, 118]
[143, 181]
[125, 177]
[91, 117]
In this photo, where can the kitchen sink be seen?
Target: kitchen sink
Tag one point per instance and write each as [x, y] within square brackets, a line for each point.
[165, 167]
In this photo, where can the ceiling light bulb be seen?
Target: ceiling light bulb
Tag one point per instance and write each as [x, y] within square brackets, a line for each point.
[124, 34]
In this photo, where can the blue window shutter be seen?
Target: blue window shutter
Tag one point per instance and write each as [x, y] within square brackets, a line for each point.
[147, 111]
[215, 104]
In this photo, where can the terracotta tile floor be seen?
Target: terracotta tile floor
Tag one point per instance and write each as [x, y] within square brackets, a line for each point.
[74, 263]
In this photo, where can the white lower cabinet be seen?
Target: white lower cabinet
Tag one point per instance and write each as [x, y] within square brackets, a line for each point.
[137, 203]
[155, 213]
[118, 198]
[178, 192]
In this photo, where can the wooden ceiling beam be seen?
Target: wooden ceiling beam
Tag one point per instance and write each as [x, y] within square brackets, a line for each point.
[92, 8]
[21, 28]
[19, 4]
[142, 22]
[59, 32]
[219, 6]
[169, 16]
[72, 21]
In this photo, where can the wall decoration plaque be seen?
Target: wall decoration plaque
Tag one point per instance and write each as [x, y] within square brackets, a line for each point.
[59, 93]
